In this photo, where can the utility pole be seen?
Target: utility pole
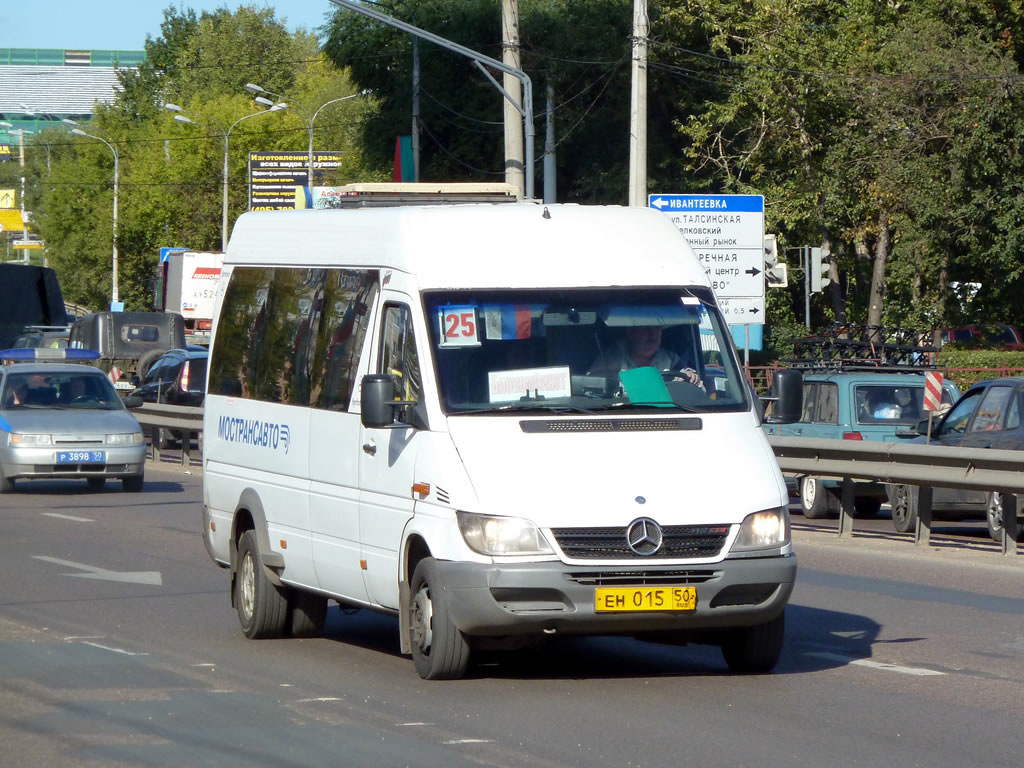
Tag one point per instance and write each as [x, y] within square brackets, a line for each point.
[806, 253]
[638, 108]
[549, 149]
[513, 87]
[415, 108]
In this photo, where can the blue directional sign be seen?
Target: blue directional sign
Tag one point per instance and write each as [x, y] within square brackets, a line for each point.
[727, 234]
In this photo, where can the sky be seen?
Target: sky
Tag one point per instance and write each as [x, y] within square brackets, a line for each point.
[123, 24]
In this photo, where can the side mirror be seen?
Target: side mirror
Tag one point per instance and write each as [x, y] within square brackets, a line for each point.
[133, 401]
[922, 426]
[375, 392]
[788, 393]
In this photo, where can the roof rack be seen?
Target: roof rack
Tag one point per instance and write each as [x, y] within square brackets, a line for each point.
[865, 347]
[405, 193]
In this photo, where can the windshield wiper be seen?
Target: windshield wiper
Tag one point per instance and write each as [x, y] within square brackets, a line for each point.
[662, 406]
[532, 405]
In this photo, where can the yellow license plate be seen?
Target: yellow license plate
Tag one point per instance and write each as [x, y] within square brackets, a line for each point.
[645, 599]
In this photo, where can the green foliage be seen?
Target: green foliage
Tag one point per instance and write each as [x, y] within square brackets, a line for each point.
[171, 175]
[950, 357]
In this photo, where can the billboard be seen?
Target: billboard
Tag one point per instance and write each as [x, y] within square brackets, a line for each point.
[273, 176]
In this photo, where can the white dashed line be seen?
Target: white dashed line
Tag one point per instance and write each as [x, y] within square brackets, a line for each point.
[408, 724]
[917, 671]
[70, 517]
[321, 698]
[113, 650]
[469, 741]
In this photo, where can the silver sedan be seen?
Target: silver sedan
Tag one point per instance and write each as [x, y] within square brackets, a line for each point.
[66, 421]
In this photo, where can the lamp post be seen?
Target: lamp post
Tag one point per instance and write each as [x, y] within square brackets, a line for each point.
[79, 132]
[306, 117]
[181, 117]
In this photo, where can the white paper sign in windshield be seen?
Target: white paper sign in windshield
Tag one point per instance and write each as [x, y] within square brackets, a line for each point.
[529, 384]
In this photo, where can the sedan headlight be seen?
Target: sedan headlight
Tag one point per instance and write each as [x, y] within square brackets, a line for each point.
[763, 530]
[128, 438]
[502, 535]
[28, 441]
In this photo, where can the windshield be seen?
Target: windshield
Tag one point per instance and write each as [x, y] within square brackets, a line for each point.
[583, 350]
[59, 390]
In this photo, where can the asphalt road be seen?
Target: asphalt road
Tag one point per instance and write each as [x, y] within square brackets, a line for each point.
[118, 647]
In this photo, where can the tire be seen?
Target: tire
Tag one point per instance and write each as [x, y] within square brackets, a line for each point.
[996, 508]
[96, 483]
[164, 439]
[133, 483]
[6, 484]
[262, 605]
[439, 650]
[755, 650]
[903, 500]
[814, 498]
[306, 613]
[147, 360]
[866, 506]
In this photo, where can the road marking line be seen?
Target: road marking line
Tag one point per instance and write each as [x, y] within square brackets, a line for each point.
[413, 724]
[70, 517]
[72, 638]
[469, 741]
[321, 698]
[918, 671]
[113, 650]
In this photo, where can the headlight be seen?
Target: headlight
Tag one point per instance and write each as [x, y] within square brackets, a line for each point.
[128, 438]
[502, 535]
[28, 441]
[763, 530]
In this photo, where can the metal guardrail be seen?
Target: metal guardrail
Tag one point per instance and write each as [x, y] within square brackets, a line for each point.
[153, 416]
[926, 466]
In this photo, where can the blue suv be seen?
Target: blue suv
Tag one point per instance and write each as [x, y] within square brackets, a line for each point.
[856, 405]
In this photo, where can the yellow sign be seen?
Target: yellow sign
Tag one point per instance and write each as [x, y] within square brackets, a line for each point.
[28, 246]
[6, 198]
[10, 220]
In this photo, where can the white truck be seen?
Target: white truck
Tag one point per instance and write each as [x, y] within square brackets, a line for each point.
[188, 286]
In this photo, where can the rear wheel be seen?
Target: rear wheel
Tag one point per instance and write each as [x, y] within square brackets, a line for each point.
[1001, 507]
[439, 650]
[755, 650]
[96, 483]
[813, 498]
[903, 500]
[262, 605]
[164, 439]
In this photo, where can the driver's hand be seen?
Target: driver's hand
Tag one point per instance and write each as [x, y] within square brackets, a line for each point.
[690, 375]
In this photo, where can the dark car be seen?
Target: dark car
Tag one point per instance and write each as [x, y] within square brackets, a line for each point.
[998, 335]
[987, 416]
[177, 377]
[128, 341]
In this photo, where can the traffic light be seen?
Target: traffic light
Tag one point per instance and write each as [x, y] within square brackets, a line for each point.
[774, 272]
[819, 269]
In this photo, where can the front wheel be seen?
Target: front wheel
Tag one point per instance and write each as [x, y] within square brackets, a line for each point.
[903, 500]
[6, 483]
[133, 483]
[813, 498]
[755, 650]
[439, 650]
[262, 605]
[1001, 507]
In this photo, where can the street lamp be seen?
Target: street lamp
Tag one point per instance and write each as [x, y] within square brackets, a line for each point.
[79, 132]
[307, 119]
[226, 134]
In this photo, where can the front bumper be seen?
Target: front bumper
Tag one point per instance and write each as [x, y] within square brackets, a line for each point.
[523, 599]
[121, 461]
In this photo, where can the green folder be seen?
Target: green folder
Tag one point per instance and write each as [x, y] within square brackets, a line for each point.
[645, 385]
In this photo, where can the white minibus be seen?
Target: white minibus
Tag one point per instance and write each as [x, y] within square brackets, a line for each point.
[498, 422]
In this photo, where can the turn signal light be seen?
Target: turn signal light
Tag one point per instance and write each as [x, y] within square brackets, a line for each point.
[421, 488]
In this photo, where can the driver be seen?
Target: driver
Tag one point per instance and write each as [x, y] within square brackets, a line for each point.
[640, 346]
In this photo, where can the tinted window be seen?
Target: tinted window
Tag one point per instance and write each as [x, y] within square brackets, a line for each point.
[992, 410]
[140, 333]
[810, 401]
[828, 404]
[956, 421]
[342, 316]
[1013, 418]
[291, 335]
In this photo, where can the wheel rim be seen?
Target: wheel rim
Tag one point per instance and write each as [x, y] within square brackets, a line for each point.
[899, 506]
[247, 585]
[809, 492]
[422, 614]
[995, 512]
